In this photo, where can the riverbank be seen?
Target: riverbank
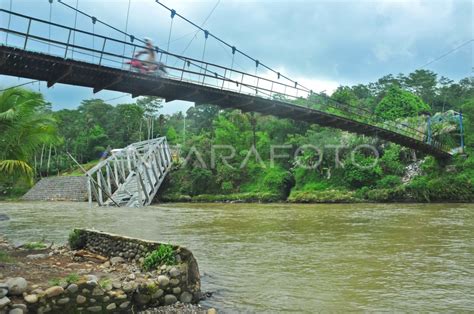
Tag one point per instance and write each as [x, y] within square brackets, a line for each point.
[80, 277]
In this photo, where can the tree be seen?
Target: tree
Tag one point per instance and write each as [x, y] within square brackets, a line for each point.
[24, 127]
[398, 103]
[423, 84]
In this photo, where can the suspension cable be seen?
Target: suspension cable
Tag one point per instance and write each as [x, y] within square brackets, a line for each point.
[126, 26]
[75, 25]
[94, 20]
[173, 13]
[233, 47]
[49, 26]
[9, 20]
[206, 35]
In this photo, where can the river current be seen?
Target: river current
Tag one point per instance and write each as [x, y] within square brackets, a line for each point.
[286, 257]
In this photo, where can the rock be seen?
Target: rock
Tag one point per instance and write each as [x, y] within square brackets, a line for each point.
[124, 305]
[20, 306]
[163, 281]
[186, 297]
[117, 260]
[37, 256]
[170, 299]
[54, 291]
[72, 288]
[3, 292]
[177, 290]
[15, 311]
[63, 301]
[31, 298]
[129, 287]
[116, 285]
[174, 272]
[142, 299]
[81, 299]
[98, 291]
[4, 217]
[91, 278]
[106, 264]
[174, 282]
[111, 307]
[106, 299]
[4, 302]
[157, 294]
[132, 277]
[95, 309]
[211, 311]
[16, 286]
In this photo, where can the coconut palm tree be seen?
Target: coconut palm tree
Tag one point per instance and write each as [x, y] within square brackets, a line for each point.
[25, 126]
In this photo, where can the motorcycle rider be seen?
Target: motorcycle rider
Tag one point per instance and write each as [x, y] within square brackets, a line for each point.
[149, 64]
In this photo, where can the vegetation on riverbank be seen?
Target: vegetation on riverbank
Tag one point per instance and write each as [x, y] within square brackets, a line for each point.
[226, 155]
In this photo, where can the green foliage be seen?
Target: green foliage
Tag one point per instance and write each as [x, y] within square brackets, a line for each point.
[390, 161]
[327, 196]
[55, 282]
[364, 172]
[165, 255]
[72, 278]
[261, 197]
[25, 126]
[5, 257]
[398, 103]
[34, 245]
[389, 182]
[171, 135]
[76, 240]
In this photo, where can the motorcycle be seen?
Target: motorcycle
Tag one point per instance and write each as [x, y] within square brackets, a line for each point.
[144, 67]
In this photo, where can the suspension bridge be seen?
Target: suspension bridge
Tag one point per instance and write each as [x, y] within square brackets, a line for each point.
[30, 51]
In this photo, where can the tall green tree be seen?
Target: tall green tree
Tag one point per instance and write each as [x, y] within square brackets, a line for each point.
[25, 126]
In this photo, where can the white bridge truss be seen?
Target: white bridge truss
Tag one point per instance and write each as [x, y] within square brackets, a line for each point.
[131, 176]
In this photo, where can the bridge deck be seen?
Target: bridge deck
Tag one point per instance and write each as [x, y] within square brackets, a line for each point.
[52, 69]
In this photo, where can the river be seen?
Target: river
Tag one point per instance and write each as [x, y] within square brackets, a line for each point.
[286, 257]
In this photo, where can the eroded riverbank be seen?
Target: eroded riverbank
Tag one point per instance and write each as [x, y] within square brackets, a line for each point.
[282, 257]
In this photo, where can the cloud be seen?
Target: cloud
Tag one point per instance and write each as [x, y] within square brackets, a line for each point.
[322, 43]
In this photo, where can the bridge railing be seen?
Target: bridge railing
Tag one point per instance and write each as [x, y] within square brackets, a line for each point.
[30, 33]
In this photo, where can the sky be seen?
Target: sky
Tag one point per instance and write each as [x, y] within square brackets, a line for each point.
[321, 44]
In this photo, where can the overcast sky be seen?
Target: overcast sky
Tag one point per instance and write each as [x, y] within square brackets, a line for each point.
[322, 44]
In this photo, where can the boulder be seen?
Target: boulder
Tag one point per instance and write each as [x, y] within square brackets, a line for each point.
[54, 291]
[17, 285]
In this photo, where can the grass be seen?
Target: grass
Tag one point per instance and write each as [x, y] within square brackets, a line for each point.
[163, 256]
[77, 172]
[55, 282]
[35, 246]
[5, 257]
[103, 283]
[72, 278]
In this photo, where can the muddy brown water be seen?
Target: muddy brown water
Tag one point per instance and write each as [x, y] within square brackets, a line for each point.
[287, 257]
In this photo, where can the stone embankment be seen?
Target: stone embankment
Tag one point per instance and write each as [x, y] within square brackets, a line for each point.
[104, 275]
[67, 188]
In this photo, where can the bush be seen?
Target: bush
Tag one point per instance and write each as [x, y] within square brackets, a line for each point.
[264, 197]
[388, 182]
[76, 240]
[328, 196]
[163, 256]
[388, 195]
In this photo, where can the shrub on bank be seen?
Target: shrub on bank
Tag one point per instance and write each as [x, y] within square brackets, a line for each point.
[164, 255]
[76, 240]
[262, 197]
[327, 196]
